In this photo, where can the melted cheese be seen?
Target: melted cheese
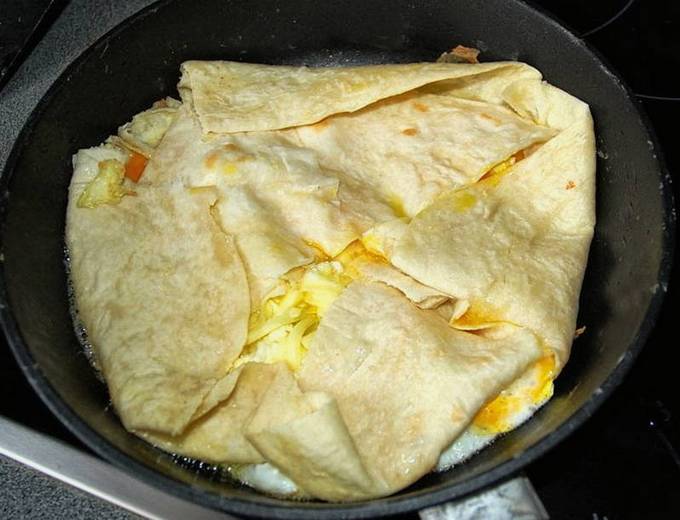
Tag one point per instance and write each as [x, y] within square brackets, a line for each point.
[283, 326]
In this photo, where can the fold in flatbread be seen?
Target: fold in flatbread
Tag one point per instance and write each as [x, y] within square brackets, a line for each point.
[335, 272]
[231, 97]
[135, 267]
[406, 385]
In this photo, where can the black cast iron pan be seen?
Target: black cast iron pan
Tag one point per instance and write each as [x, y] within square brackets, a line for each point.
[137, 63]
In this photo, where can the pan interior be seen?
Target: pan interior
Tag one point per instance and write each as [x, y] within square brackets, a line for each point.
[138, 63]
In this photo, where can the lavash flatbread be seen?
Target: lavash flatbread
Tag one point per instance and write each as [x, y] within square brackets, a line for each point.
[134, 269]
[243, 97]
[539, 214]
[411, 148]
[270, 169]
[442, 377]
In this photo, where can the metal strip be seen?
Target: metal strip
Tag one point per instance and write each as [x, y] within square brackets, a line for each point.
[514, 499]
[95, 476]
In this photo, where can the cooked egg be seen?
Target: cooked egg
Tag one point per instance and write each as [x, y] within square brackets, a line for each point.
[281, 329]
[106, 187]
[512, 407]
[266, 478]
[516, 403]
[380, 239]
[373, 243]
[145, 131]
[527, 394]
[462, 201]
[496, 173]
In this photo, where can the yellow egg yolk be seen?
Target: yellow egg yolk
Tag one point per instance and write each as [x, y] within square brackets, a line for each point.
[479, 316]
[397, 205]
[462, 200]
[373, 243]
[510, 407]
[497, 172]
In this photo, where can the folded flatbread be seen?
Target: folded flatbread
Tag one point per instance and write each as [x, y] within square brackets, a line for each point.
[422, 228]
[138, 269]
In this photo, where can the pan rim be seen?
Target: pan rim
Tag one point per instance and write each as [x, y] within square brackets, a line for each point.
[277, 508]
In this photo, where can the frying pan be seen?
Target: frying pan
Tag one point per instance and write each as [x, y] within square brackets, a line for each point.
[137, 63]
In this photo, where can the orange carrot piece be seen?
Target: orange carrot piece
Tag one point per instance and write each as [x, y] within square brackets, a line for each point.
[135, 166]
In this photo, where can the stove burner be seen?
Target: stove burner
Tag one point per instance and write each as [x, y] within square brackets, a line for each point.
[610, 21]
[586, 17]
[657, 98]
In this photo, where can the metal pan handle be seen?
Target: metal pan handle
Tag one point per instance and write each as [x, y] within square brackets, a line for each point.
[514, 499]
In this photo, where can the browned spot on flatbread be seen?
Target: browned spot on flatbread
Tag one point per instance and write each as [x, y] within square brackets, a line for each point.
[409, 131]
[116, 311]
[457, 415]
[491, 118]
[420, 107]
[320, 126]
[211, 159]
[238, 154]
[570, 185]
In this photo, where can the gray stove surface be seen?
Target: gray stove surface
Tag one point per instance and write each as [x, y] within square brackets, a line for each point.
[28, 493]
[80, 24]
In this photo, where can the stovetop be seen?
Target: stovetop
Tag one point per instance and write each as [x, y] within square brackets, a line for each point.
[625, 461]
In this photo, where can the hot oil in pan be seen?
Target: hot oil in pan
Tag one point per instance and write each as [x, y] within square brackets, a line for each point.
[228, 474]
[78, 327]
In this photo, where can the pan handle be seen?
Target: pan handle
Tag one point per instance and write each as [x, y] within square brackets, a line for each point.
[512, 499]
